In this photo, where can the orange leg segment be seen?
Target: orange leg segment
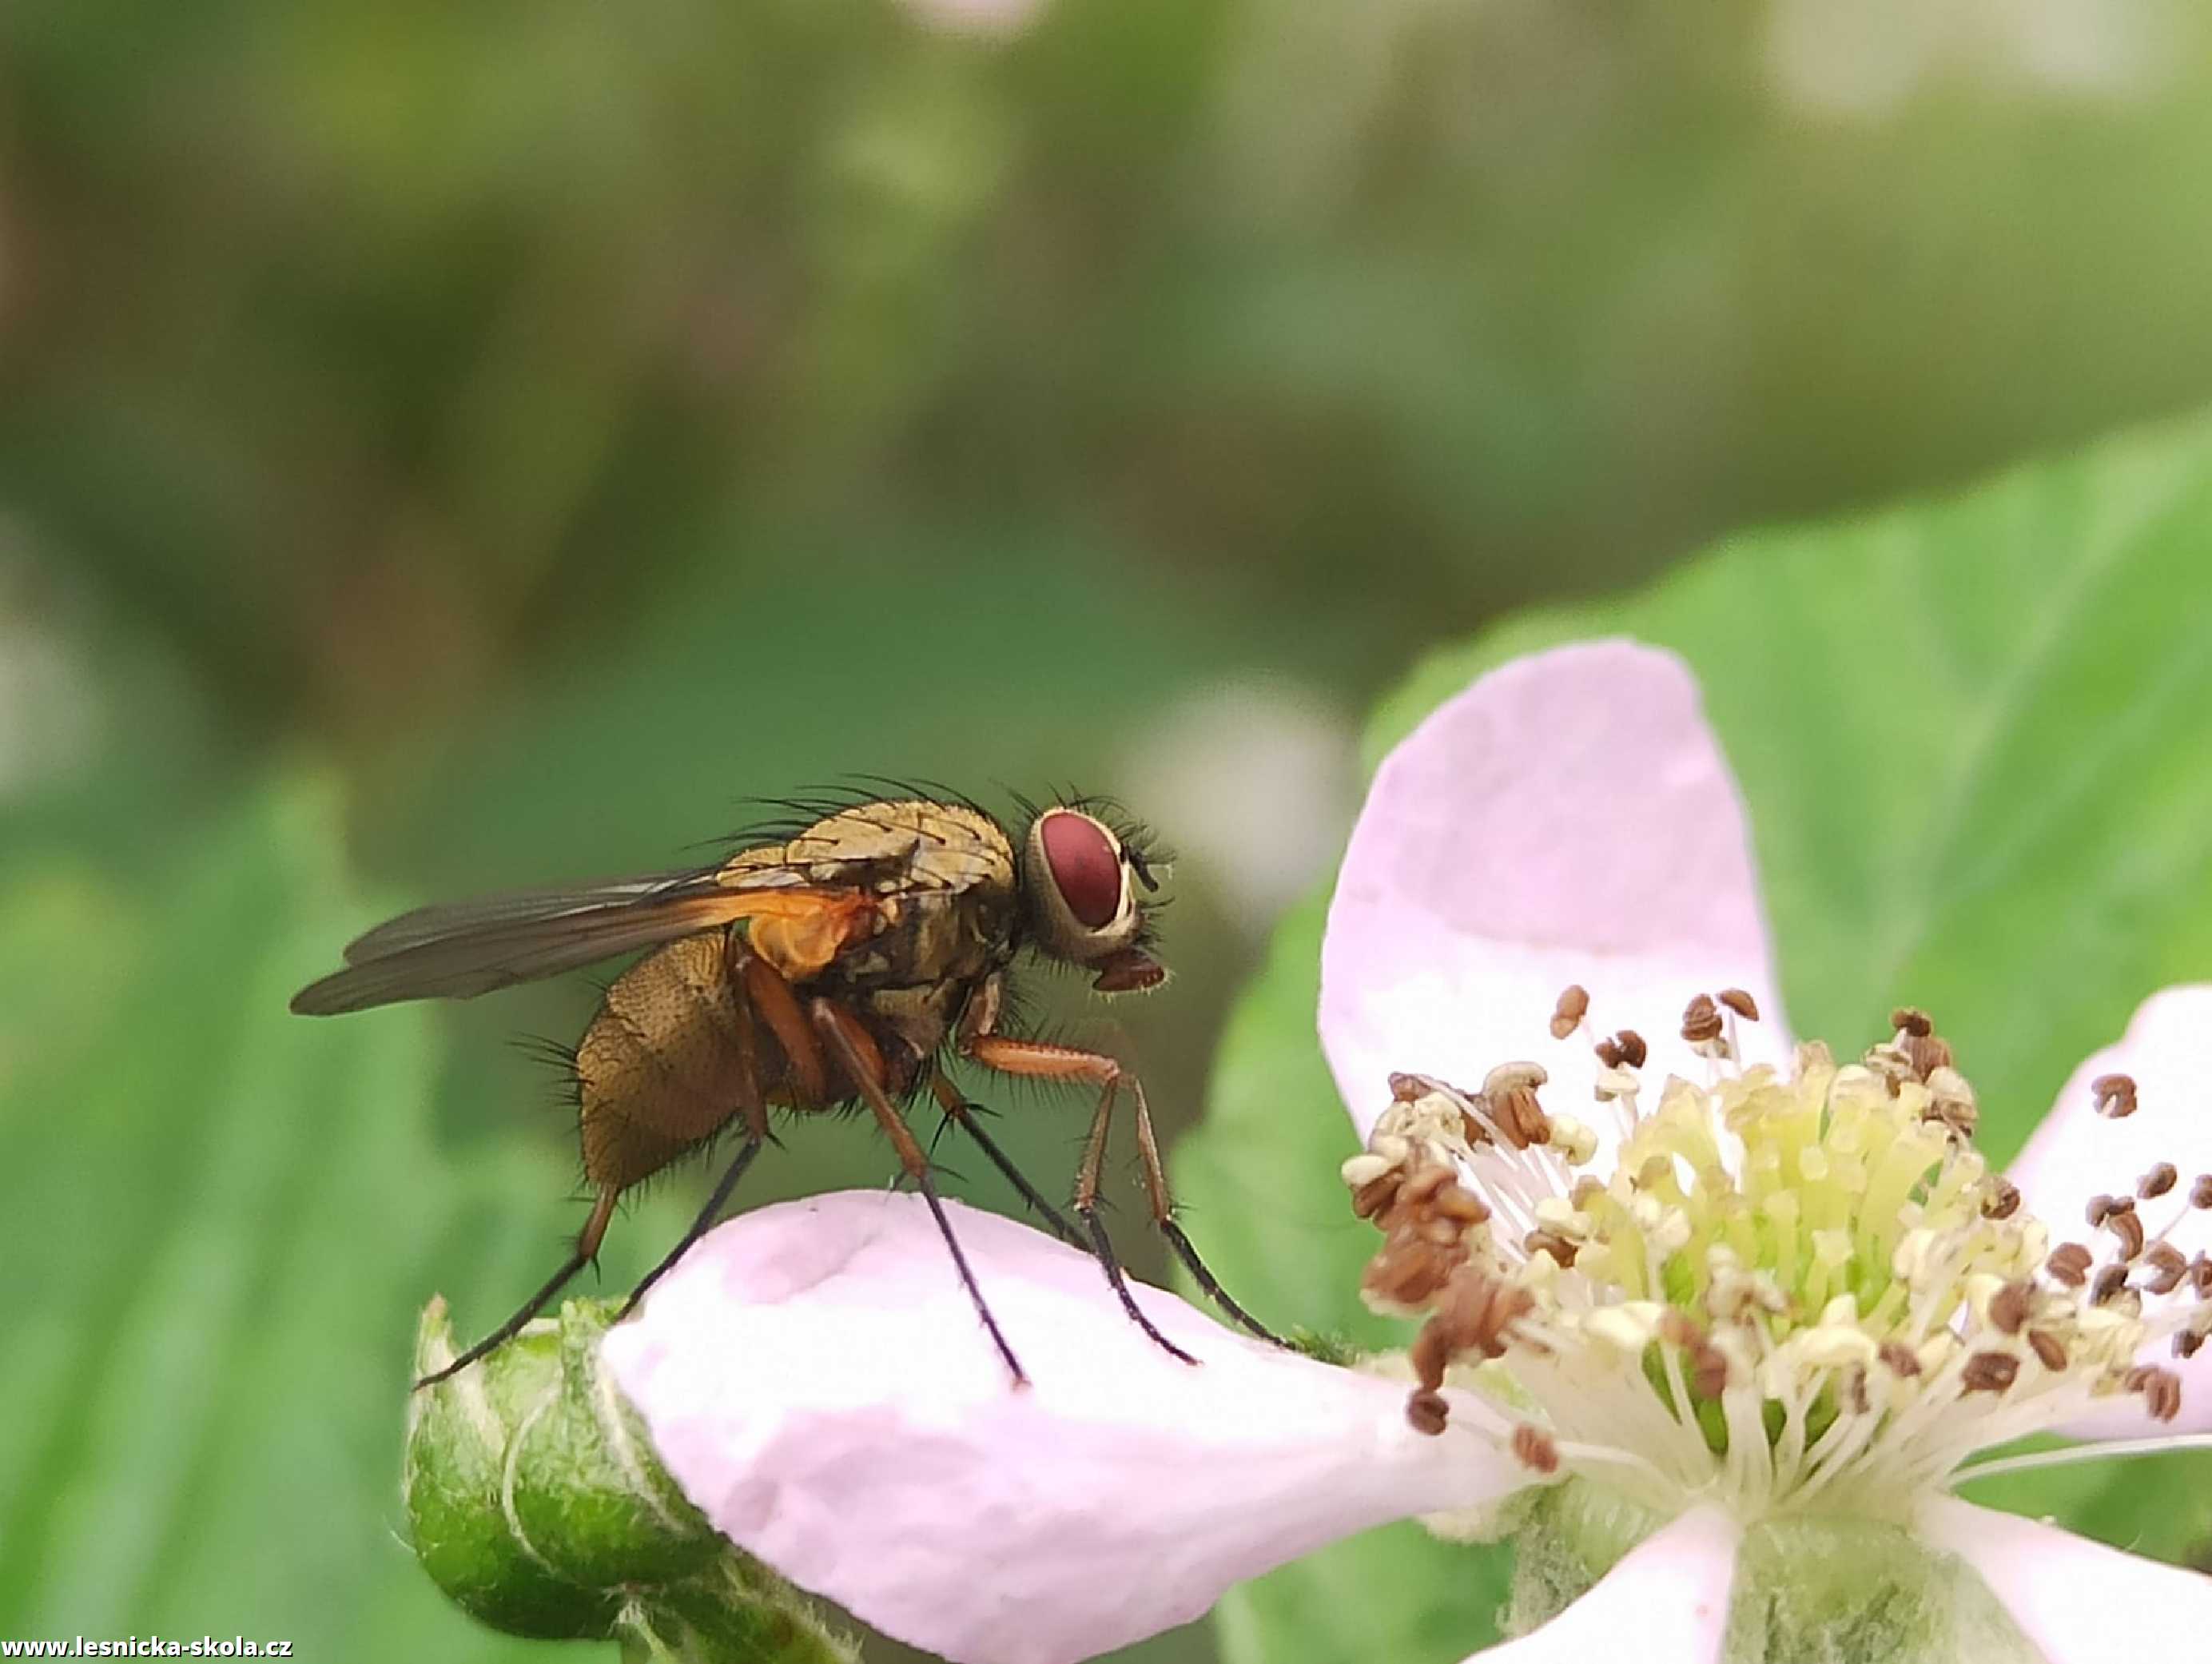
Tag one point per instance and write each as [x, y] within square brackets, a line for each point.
[1040, 1060]
[762, 988]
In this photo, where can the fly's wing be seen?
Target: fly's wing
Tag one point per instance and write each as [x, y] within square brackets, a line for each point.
[519, 907]
[468, 948]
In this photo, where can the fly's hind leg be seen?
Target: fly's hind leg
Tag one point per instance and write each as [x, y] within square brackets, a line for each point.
[587, 1246]
[855, 1052]
[1040, 1060]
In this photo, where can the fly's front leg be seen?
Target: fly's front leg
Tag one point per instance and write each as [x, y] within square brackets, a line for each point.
[1033, 1058]
[1040, 1061]
[848, 1041]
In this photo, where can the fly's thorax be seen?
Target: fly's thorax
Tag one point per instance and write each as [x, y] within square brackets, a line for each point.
[914, 977]
[891, 846]
[930, 936]
[911, 1024]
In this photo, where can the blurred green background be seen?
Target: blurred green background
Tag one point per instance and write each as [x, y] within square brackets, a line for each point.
[448, 446]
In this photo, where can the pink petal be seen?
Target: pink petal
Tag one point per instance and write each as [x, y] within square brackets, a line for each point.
[2078, 1601]
[816, 1380]
[2077, 1154]
[1568, 819]
[1667, 1602]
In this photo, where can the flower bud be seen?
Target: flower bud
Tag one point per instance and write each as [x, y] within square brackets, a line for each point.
[535, 1501]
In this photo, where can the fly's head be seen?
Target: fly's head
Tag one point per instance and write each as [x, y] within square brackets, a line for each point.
[1083, 887]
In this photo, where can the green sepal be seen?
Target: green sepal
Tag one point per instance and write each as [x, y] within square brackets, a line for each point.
[1806, 1587]
[535, 1501]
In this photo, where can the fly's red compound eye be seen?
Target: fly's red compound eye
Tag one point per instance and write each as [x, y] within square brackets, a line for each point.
[1085, 866]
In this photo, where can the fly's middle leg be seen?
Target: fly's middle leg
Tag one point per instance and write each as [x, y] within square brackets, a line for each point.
[849, 1042]
[961, 1114]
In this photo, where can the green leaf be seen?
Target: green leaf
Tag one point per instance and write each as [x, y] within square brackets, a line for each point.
[237, 1213]
[1968, 734]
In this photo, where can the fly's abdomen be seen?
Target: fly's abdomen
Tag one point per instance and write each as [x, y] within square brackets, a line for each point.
[660, 1070]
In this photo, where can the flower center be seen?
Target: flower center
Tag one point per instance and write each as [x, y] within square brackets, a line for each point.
[1792, 1292]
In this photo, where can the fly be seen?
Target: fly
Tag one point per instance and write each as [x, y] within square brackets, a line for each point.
[840, 966]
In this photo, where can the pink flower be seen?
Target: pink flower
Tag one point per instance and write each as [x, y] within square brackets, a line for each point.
[1781, 1296]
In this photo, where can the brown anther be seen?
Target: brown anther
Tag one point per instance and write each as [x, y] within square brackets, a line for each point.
[2200, 1276]
[1889, 1062]
[2167, 1266]
[1519, 1118]
[1950, 1102]
[2186, 1342]
[2111, 1281]
[1708, 1364]
[1473, 1131]
[2050, 1352]
[1430, 1354]
[1855, 1390]
[1534, 1448]
[2161, 1392]
[1376, 1194]
[2002, 1201]
[1903, 1362]
[1474, 1313]
[1910, 1020]
[2069, 1264]
[1409, 1272]
[2100, 1208]
[1740, 1001]
[1567, 1016]
[2156, 1182]
[2128, 1226]
[2115, 1096]
[1927, 1053]
[1457, 1203]
[1701, 1021]
[1422, 1186]
[2200, 1191]
[1551, 1242]
[1608, 1054]
[1633, 1051]
[1988, 1372]
[1709, 1371]
[1427, 1412]
[2008, 1307]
